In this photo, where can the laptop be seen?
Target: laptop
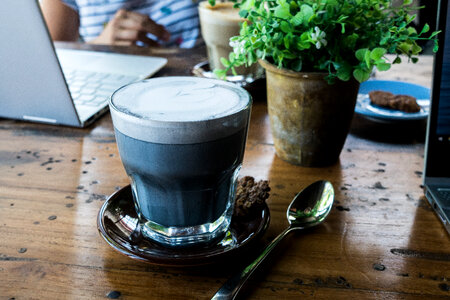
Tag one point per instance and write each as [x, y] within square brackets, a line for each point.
[39, 83]
[437, 145]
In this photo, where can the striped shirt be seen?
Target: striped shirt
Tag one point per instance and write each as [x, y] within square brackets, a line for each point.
[179, 17]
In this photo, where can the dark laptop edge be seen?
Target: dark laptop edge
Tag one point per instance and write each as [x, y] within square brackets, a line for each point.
[434, 169]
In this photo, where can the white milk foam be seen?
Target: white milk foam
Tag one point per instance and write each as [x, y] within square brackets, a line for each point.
[179, 110]
[219, 14]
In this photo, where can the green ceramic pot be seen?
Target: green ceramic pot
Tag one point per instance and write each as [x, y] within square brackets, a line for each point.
[310, 119]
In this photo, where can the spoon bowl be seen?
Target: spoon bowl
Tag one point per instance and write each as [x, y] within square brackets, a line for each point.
[312, 205]
[309, 208]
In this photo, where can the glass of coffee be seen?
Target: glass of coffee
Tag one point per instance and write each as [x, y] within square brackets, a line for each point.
[181, 141]
[218, 24]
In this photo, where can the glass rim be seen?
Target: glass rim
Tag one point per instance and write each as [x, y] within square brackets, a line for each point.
[141, 119]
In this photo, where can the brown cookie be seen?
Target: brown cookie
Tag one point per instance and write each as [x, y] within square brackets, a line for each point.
[406, 103]
[398, 102]
[381, 98]
[250, 196]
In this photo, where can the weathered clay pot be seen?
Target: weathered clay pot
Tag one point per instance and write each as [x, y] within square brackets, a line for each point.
[309, 118]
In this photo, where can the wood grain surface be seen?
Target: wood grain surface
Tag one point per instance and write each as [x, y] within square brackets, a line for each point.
[381, 240]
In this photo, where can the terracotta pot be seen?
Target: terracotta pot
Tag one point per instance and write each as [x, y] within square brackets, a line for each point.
[309, 118]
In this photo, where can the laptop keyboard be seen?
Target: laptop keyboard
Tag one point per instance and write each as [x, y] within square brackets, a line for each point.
[444, 193]
[94, 88]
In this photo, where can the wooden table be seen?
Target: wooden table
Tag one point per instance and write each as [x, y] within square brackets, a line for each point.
[380, 241]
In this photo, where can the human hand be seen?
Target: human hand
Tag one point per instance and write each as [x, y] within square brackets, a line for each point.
[127, 28]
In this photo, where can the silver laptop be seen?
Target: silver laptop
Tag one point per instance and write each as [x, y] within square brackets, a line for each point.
[437, 145]
[67, 87]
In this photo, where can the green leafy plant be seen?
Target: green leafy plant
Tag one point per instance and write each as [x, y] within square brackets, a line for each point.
[345, 38]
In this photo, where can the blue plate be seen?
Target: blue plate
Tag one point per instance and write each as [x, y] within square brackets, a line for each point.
[377, 113]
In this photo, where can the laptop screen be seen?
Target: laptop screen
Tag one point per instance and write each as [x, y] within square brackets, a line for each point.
[438, 139]
[443, 112]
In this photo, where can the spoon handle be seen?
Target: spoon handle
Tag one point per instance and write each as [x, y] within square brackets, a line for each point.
[231, 288]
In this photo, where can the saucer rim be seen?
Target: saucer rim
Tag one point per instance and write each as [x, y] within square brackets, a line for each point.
[199, 71]
[178, 261]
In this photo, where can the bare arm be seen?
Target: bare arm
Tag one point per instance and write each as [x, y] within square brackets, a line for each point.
[62, 21]
[127, 28]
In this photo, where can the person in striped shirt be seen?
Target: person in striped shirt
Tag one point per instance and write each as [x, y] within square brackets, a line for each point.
[169, 23]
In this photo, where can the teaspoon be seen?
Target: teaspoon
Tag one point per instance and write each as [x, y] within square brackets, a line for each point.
[308, 208]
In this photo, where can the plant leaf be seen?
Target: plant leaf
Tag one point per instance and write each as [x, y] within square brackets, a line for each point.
[243, 13]
[307, 12]
[361, 54]
[377, 53]
[221, 74]
[385, 38]
[411, 30]
[285, 27]
[247, 5]
[297, 19]
[416, 49]
[287, 42]
[361, 75]
[404, 47]
[225, 62]
[411, 18]
[282, 12]
[383, 66]
[425, 28]
[434, 34]
[344, 73]
[367, 58]
[436, 46]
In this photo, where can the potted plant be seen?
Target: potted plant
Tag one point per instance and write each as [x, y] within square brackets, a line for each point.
[316, 52]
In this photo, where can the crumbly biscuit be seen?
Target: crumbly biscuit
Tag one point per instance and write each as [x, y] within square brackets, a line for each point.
[250, 196]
